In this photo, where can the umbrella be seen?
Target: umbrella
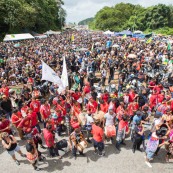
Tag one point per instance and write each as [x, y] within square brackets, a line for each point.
[138, 32]
[17, 45]
[83, 49]
[97, 43]
[115, 45]
[132, 56]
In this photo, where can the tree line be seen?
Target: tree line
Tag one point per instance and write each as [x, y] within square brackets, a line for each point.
[31, 15]
[134, 17]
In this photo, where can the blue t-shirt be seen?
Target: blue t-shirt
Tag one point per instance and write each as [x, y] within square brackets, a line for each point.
[136, 120]
[108, 44]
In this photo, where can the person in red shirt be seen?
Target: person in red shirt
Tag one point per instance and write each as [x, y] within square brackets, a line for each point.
[123, 129]
[76, 109]
[86, 92]
[26, 125]
[61, 106]
[45, 111]
[98, 137]
[120, 111]
[57, 120]
[132, 95]
[16, 119]
[74, 122]
[33, 116]
[153, 99]
[50, 140]
[35, 106]
[5, 125]
[161, 97]
[105, 96]
[24, 109]
[76, 95]
[92, 106]
[152, 84]
[104, 106]
[4, 90]
[158, 88]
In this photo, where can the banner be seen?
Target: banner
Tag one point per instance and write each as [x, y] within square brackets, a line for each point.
[50, 75]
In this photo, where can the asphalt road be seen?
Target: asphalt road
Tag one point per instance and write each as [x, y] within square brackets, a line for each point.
[113, 162]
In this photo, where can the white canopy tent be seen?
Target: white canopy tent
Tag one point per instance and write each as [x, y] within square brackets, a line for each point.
[108, 33]
[15, 37]
[50, 32]
[40, 36]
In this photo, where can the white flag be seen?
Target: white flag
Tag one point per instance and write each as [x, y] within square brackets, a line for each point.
[64, 76]
[50, 75]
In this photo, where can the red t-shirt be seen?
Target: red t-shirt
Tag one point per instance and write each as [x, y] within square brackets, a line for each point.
[15, 118]
[105, 97]
[76, 96]
[26, 124]
[131, 96]
[48, 137]
[86, 89]
[160, 98]
[104, 107]
[92, 106]
[97, 133]
[123, 124]
[33, 117]
[3, 124]
[5, 91]
[35, 105]
[45, 111]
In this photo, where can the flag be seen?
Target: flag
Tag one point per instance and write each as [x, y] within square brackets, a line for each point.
[92, 49]
[149, 40]
[169, 46]
[64, 76]
[72, 37]
[124, 36]
[50, 75]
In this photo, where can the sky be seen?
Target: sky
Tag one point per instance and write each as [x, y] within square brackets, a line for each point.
[78, 10]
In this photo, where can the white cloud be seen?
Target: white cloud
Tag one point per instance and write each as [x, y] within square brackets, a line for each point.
[78, 10]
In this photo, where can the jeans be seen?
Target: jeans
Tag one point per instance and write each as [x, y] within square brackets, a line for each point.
[53, 151]
[99, 145]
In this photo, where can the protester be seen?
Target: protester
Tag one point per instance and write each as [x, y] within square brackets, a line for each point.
[10, 144]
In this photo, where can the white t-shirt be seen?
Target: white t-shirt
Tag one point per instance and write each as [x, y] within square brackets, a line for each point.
[89, 119]
[109, 119]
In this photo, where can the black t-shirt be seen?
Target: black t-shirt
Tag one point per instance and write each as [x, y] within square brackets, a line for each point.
[6, 105]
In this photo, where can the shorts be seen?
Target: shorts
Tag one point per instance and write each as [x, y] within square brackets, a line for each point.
[149, 154]
[13, 151]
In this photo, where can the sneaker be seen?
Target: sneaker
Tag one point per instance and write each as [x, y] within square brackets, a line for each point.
[133, 150]
[95, 152]
[123, 143]
[148, 164]
[101, 154]
[139, 149]
[37, 169]
[17, 162]
[43, 147]
[23, 155]
[89, 141]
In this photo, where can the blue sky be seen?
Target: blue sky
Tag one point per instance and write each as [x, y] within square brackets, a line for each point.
[78, 10]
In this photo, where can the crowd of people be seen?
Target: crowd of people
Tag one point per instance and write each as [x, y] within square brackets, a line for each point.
[117, 87]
